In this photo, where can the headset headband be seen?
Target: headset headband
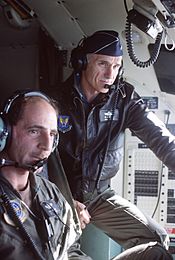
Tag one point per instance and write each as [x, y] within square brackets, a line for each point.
[19, 94]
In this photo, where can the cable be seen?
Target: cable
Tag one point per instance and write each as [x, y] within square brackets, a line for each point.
[107, 142]
[126, 8]
[130, 47]
[19, 224]
[117, 88]
[167, 112]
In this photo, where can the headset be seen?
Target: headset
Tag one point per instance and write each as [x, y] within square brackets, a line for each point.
[5, 125]
[78, 59]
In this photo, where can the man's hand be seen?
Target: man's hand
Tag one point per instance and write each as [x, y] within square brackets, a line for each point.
[83, 213]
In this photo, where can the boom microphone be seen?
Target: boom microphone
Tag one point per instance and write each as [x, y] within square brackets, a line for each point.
[36, 166]
[109, 86]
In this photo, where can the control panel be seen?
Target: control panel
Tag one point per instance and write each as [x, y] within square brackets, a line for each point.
[148, 183]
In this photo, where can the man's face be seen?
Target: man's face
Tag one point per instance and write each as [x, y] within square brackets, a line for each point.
[33, 136]
[101, 70]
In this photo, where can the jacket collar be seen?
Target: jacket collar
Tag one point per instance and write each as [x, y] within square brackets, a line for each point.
[34, 185]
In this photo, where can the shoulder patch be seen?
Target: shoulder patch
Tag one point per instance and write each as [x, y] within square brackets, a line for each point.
[21, 212]
[64, 123]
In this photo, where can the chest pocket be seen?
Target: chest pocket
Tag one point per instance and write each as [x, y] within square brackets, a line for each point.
[54, 223]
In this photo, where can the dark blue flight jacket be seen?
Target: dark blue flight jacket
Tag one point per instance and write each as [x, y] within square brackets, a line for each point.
[92, 135]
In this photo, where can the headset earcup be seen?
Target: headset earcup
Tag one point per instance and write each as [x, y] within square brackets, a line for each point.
[4, 133]
[78, 59]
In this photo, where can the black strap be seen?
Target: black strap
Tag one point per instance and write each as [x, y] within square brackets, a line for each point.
[57, 175]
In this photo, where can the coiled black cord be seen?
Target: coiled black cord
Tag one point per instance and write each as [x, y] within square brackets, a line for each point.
[114, 105]
[130, 47]
[107, 142]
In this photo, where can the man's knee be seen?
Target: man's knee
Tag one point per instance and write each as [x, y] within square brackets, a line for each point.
[150, 251]
[156, 252]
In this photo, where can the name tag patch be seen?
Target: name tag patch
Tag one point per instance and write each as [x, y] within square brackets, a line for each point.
[108, 115]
